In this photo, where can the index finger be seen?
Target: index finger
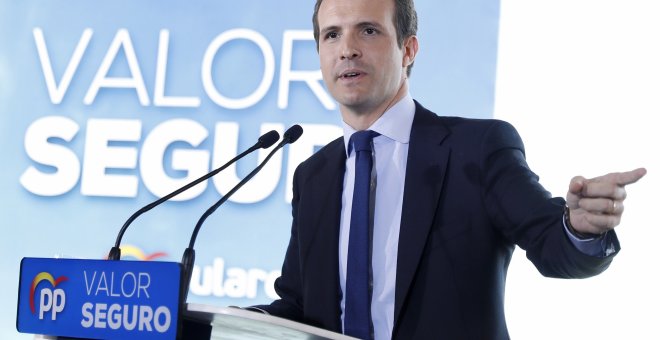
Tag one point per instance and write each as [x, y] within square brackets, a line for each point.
[622, 178]
[630, 177]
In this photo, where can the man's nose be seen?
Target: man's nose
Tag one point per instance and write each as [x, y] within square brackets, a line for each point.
[350, 48]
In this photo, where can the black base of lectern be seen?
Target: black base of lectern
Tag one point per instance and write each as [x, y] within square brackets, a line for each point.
[195, 329]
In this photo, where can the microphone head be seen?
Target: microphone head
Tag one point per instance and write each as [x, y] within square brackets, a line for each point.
[268, 139]
[292, 134]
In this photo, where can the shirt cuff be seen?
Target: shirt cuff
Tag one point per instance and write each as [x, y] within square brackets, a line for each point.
[601, 246]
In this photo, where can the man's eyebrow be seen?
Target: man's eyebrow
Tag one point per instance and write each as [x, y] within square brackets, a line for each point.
[364, 24]
[329, 29]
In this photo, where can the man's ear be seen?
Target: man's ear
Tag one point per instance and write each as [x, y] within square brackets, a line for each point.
[410, 48]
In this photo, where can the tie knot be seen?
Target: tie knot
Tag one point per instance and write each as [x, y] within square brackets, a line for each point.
[361, 140]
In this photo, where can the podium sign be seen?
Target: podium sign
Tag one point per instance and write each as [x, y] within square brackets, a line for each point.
[99, 298]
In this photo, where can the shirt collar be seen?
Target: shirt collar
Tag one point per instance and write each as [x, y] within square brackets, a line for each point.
[394, 124]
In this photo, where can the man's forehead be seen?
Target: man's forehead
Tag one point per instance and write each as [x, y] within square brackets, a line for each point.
[355, 12]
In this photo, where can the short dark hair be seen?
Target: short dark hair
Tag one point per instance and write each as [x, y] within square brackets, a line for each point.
[405, 22]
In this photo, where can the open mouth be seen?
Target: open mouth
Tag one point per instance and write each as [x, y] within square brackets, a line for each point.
[349, 75]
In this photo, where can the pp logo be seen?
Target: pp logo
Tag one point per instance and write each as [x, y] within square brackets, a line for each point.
[52, 299]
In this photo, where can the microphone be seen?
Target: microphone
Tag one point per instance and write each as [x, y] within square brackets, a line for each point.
[290, 136]
[264, 142]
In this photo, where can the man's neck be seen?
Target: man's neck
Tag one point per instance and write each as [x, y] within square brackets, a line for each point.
[361, 119]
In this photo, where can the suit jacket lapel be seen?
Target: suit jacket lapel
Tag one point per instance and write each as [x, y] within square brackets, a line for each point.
[425, 172]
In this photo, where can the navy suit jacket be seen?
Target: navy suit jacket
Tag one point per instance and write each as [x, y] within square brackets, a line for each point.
[469, 197]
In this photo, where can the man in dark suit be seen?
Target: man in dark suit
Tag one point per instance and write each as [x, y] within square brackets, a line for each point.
[450, 198]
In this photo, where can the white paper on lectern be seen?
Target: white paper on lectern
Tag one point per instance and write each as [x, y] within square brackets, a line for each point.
[238, 324]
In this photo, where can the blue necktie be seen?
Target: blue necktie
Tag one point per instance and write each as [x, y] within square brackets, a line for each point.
[357, 318]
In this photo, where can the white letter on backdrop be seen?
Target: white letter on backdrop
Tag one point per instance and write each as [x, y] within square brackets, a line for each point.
[122, 39]
[207, 68]
[41, 151]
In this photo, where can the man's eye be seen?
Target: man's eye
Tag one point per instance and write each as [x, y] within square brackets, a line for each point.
[331, 35]
[370, 31]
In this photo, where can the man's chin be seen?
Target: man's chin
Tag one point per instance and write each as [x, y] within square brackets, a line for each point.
[352, 98]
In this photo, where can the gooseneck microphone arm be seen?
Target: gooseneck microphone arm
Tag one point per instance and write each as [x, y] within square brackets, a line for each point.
[265, 141]
[286, 140]
[291, 135]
